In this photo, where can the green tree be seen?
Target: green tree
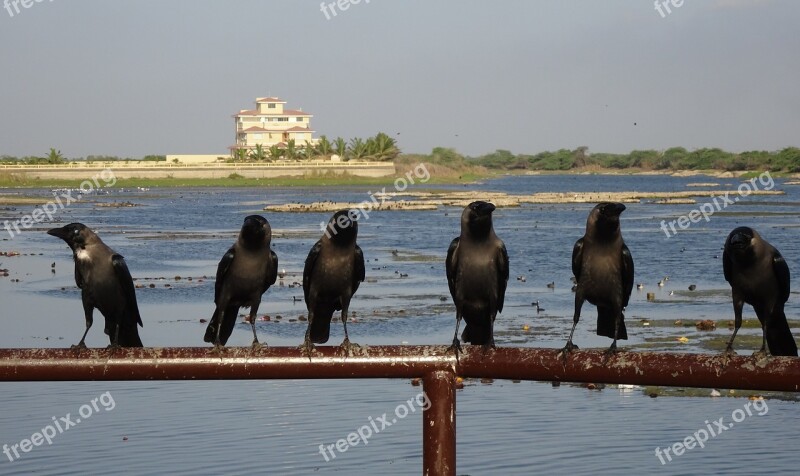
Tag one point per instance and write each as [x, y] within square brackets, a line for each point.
[340, 146]
[258, 154]
[384, 147]
[240, 155]
[788, 159]
[580, 156]
[309, 151]
[275, 152]
[357, 148]
[291, 150]
[644, 158]
[324, 146]
[675, 156]
[54, 157]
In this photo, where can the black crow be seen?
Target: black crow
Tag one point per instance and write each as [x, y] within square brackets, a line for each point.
[759, 276]
[105, 283]
[477, 274]
[333, 271]
[603, 267]
[244, 273]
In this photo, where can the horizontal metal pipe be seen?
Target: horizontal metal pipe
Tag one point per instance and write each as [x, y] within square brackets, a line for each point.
[640, 368]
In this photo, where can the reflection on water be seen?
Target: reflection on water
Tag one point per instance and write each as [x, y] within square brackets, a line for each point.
[276, 427]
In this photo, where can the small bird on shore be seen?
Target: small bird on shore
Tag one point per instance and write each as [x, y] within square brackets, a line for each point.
[333, 271]
[105, 283]
[244, 273]
[603, 266]
[477, 275]
[759, 276]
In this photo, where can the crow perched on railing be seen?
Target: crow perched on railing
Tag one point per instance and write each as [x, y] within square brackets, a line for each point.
[603, 267]
[477, 274]
[245, 272]
[105, 283]
[759, 276]
[333, 271]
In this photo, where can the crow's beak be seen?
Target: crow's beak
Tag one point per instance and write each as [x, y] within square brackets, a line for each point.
[740, 240]
[486, 208]
[619, 208]
[57, 232]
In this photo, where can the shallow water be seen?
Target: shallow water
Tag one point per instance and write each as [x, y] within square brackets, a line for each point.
[276, 427]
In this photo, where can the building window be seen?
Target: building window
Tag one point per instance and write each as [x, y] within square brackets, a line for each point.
[299, 119]
[270, 106]
[283, 119]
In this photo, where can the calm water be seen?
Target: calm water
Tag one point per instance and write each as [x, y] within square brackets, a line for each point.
[276, 427]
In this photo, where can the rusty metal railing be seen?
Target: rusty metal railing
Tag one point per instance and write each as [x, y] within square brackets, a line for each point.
[436, 366]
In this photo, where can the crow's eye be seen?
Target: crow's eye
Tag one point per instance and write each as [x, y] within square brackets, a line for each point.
[75, 231]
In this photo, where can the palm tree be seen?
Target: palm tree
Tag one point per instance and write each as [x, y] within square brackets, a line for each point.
[324, 146]
[54, 156]
[309, 152]
[258, 154]
[385, 147]
[357, 148]
[340, 146]
[240, 155]
[275, 152]
[291, 150]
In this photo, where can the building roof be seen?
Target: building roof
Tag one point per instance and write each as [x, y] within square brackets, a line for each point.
[295, 112]
[286, 112]
[291, 129]
[270, 99]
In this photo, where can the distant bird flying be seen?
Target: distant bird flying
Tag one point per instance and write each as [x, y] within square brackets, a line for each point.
[759, 276]
[333, 271]
[603, 267]
[244, 273]
[105, 283]
[477, 274]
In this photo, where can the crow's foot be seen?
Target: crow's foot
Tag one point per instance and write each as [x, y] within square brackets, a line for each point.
[455, 347]
[563, 353]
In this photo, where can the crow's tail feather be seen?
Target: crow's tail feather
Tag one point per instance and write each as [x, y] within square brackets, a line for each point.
[606, 323]
[228, 319]
[320, 326]
[779, 336]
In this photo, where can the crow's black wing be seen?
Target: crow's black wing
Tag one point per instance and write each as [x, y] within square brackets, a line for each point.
[451, 265]
[360, 270]
[128, 290]
[311, 260]
[272, 270]
[627, 274]
[222, 270]
[502, 274]
[782, 275]
[577, 258]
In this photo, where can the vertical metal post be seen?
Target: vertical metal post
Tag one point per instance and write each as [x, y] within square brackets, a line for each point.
[439, 424]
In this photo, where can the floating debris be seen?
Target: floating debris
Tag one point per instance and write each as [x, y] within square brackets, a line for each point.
[706, 325]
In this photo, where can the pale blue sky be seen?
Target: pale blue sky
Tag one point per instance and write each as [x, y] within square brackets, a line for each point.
[130, 78]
